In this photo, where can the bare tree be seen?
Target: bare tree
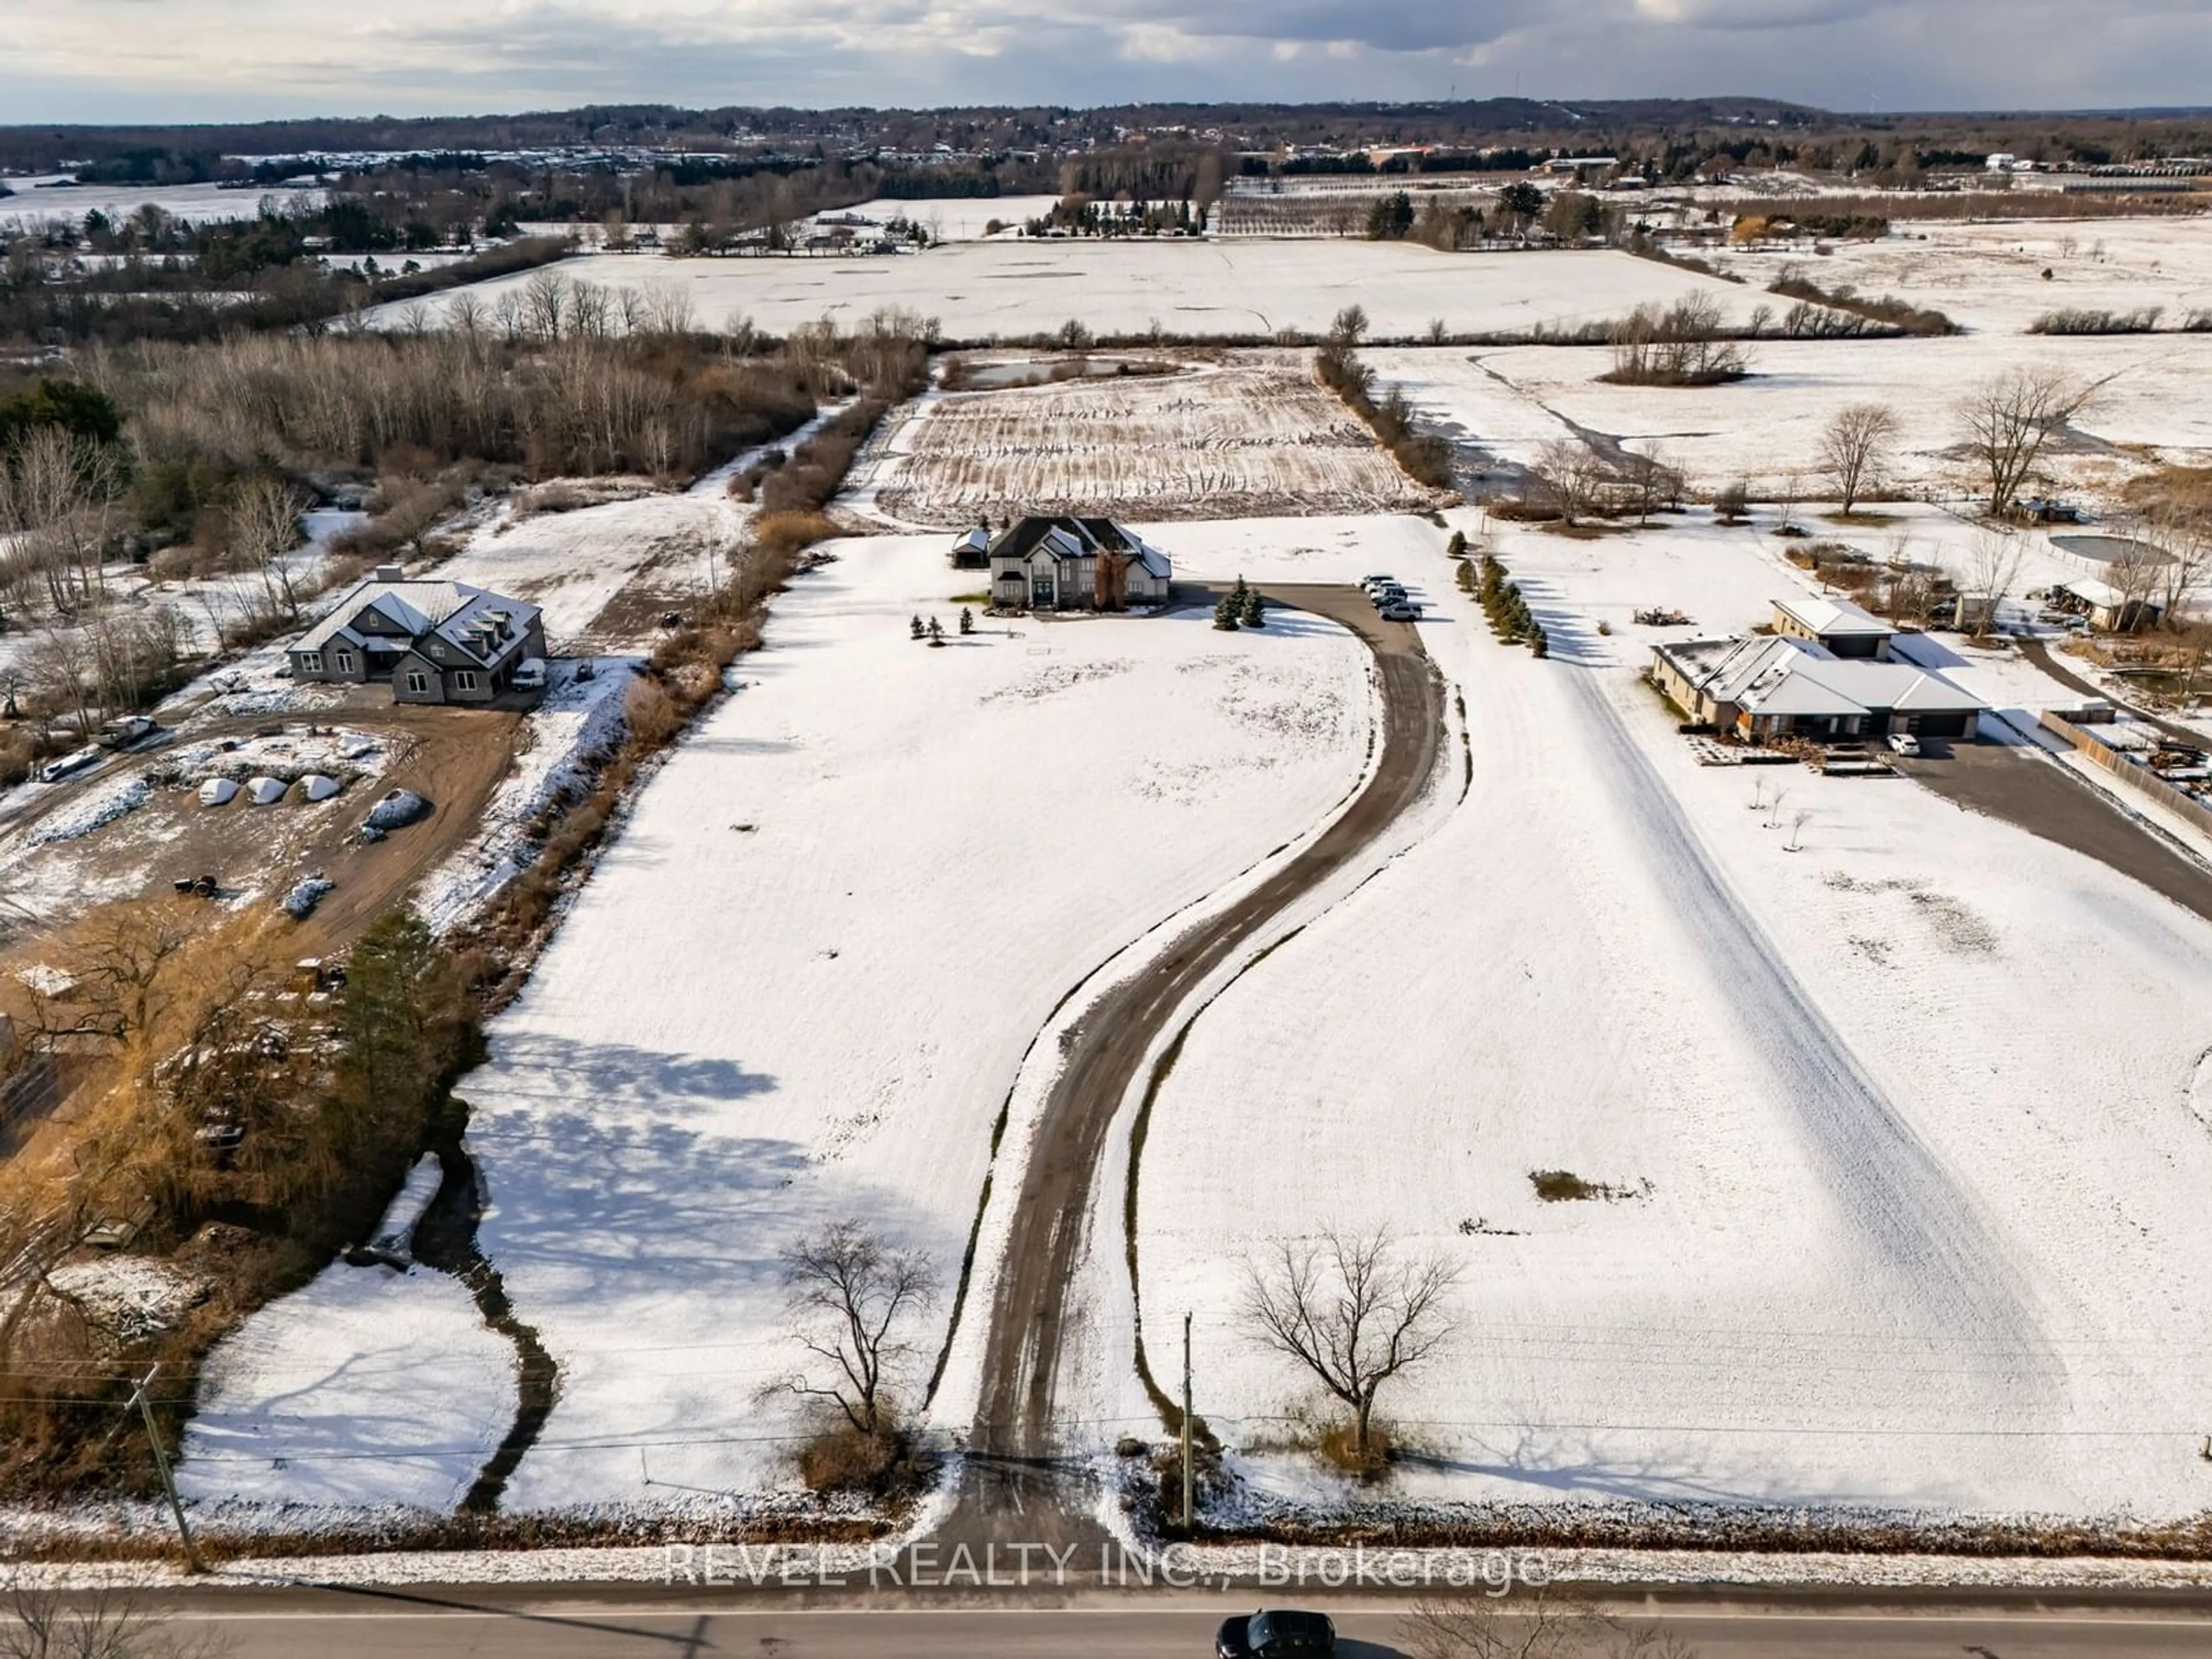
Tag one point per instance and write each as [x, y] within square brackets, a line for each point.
[2189, 558]
[2138, 575]
[264, 530]
[1573, 474]
[1350, 326]
[1352, 1310]
[1992, 566]
[1683, 344]
[43, 1623]
[1652, 480]
[1854, 449]
[2011, 419]
[851, 1288]
[1541, 1624]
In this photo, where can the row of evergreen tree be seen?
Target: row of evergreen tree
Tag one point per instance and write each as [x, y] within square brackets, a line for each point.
[1510, 619]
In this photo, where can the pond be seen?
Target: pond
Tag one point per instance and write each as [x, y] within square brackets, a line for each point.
[2110, 549]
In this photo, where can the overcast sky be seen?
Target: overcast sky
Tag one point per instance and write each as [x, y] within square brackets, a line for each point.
[171, 60]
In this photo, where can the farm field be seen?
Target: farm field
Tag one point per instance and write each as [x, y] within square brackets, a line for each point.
[1019, 289]
[1903, 1130]
[36, 200]
[1989, 277]
[1511, 402]
[1255, 434]
[958, 218]
[684, 1085]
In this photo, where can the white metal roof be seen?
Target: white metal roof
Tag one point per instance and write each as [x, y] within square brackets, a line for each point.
[1828, 617]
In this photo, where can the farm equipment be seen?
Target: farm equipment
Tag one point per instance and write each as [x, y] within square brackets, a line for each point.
[205, 887]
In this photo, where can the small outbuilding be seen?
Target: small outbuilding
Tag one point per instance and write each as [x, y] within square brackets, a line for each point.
[2104, 605]
[1841, 627]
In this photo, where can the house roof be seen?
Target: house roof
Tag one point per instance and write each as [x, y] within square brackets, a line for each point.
[482, 626]
[1780, 675]
[1832, 618]
[1066, 536]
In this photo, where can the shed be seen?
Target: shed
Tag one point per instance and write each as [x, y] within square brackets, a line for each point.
[1845, 629]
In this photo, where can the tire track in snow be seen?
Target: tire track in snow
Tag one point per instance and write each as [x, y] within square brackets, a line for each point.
[1926, 1229]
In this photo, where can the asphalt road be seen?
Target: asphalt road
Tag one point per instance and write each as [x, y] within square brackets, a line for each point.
[1012, 1490]
[407, 1625]
[2026, 788]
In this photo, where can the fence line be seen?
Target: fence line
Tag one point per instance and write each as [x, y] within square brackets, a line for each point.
[2141, 779]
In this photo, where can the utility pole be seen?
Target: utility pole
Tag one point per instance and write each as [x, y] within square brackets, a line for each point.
[161, 1463]
[1186, 1423]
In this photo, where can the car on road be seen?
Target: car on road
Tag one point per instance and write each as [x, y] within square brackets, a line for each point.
[122, 733]
[68, 766]
[1905, 743]
[1401, 611]
[1275, 1634]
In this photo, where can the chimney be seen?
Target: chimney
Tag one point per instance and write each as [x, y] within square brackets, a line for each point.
[390, 573]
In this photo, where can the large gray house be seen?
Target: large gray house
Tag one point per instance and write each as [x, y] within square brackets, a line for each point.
[434, 642]
[1068, 563]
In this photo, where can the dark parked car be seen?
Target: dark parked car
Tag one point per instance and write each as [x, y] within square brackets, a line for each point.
[1276, 1633]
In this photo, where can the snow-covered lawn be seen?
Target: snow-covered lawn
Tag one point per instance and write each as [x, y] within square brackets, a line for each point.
[369, 1387]
[1766, 428]
[800, 984]
[1019, 288]
[1909, 1194]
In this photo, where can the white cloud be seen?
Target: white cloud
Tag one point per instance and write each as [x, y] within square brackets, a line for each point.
[175, 59]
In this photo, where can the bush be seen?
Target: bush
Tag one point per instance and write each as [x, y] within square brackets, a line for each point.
[1426, 459]
[1896, 314]
[1562, 1186]
[886, 1464]
[2144, 321]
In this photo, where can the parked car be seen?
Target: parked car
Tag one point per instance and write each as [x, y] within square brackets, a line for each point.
[122, 733]
[529, 675]
[1401, 611]
[1905, 743]
[1381, 596]
[68, 766]
[1275, 1634]
[1372, 582]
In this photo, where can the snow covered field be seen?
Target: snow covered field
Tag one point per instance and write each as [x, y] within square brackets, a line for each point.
[1908, 1190]
[1020, 287]
[798, 985]
[36, 200]
[1257, 434]
[1989, 277]
[1767, 427]
[956, 218]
